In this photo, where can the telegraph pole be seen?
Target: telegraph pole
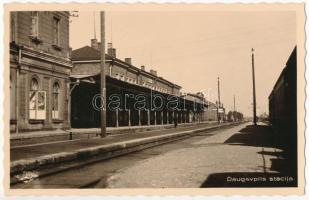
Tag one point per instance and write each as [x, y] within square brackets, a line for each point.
[219, 102]
[234, 103]
[103, 84]
[234, 114]
[254, 97]
[94, 30]
[219, 91]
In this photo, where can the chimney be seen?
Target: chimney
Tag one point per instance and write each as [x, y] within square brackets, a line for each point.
[110, 50]
[70, 52]
[128, 60]
[153, 72]
[143, 67]
[94, 44]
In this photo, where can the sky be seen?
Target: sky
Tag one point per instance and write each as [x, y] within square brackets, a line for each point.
[193, 48]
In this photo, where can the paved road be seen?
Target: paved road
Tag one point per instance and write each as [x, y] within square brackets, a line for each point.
[189, 163]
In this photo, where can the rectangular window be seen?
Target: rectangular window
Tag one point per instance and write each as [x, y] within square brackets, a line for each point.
[37, 105]
[13, 27]
[56, 35]
[41, 111]
[149, 80]
[32, 104]
[55, 112]
[35, 24]
[110, 70]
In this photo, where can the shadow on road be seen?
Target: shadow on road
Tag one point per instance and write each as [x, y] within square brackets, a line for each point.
[258, 136]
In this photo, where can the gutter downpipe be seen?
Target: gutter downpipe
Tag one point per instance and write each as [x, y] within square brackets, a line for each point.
[17, 87]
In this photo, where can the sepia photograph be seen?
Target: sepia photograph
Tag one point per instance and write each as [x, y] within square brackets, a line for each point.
[145, 96]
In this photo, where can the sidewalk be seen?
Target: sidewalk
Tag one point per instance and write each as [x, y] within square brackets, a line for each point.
[254, 155]
[37, 156]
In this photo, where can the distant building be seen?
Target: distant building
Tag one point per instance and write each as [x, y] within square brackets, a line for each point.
[196, 99]
[39, 70]
[211, 112]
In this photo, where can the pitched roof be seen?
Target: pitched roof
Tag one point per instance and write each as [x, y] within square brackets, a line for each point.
[87, 53]
[210, 103]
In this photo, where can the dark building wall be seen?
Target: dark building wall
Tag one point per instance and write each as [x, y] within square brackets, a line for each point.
[84, 115]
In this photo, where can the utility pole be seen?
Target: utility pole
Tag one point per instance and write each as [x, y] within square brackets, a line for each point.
[234, 113]
[219, 102]
[254, 98]
[94, 30]
[103, 84]
[234, 103]
[219, 91]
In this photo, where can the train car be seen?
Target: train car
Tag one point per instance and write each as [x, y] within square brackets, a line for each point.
[283, 107]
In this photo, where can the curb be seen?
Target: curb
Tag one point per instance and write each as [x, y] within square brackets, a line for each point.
[61, 135]
[107, 151]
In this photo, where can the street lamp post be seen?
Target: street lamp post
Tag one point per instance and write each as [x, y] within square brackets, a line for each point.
[254, 97]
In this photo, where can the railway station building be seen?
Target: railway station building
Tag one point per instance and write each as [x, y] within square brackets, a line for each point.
[40, 67]
[128, 86]
[52, 87]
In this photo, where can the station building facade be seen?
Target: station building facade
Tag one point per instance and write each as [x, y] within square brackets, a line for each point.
[131, 84]
[39, 70]
[50, 88]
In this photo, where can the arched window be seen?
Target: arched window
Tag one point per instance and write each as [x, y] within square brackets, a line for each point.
[37, 101]
[55, 105]
[34, 86]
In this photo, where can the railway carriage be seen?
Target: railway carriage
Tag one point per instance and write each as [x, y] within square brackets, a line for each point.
[283, 107]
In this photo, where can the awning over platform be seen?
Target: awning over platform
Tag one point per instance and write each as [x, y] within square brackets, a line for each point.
[84, 77]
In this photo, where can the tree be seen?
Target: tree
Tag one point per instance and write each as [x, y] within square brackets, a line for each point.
[234, 116]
